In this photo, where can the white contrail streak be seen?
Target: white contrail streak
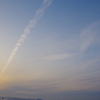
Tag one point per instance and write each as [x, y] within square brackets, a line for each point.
[32, 23]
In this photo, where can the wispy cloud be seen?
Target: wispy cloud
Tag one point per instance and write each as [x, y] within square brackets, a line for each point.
[59, 56]
[27, 92]
[32, 23]
[86, 37]
[72, 46]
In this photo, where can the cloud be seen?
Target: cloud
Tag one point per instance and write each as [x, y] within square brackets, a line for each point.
[86, 37]
[27, 92]
[59, 56]
[32, 23]
[72, 46]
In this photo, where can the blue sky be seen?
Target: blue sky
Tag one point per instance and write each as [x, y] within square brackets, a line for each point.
[59, 58]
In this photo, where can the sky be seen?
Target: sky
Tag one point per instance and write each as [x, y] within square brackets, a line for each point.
[50, 49]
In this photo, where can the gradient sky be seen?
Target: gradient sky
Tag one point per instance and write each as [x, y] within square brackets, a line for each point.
[60, 58]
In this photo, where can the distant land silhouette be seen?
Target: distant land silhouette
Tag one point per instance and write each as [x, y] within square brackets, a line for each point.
[16, 98]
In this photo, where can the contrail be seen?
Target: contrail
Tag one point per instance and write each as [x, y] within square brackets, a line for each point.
[32, 23]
